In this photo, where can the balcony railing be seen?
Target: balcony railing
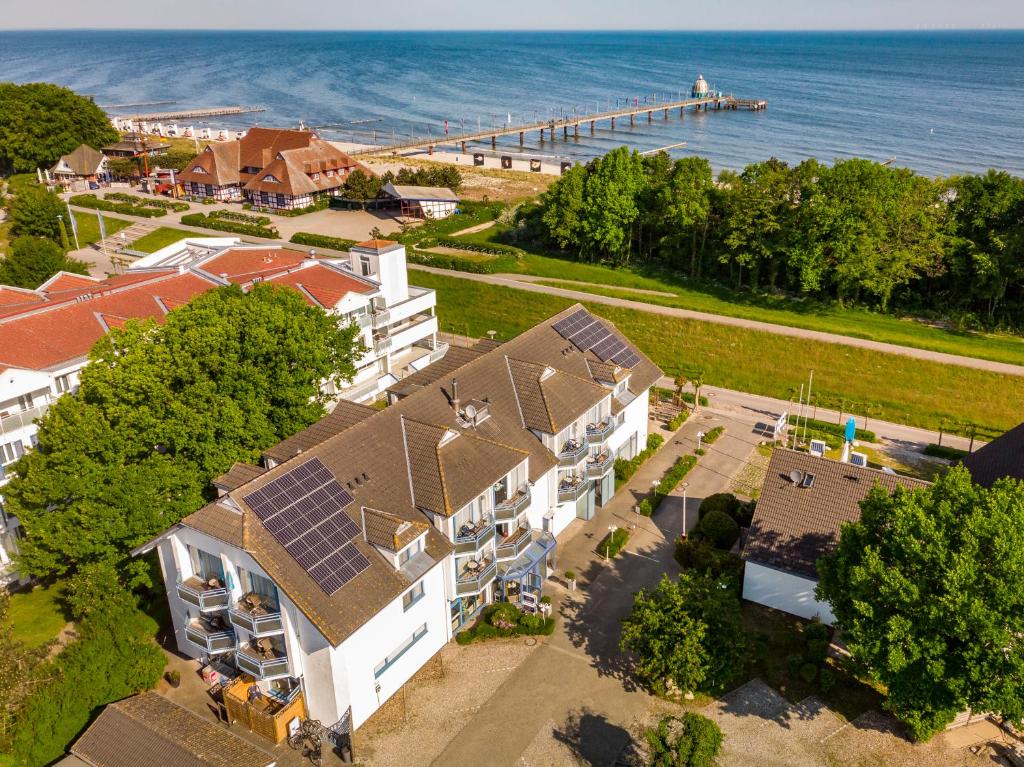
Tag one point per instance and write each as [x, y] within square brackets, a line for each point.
[470, 581]
[599, 465]
[512, 506]
[210, 637]
[572, 451]
[515, 544]
[470, 538]
[381, 319]
[256, 618]
[260, 664]
[382, 345]
[203, 594]
[572, 489]
[20, 418]
[600, 431]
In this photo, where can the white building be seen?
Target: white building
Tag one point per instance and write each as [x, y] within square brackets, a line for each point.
[46, 334]
[423, 201]
[344, 562]
[803, 504]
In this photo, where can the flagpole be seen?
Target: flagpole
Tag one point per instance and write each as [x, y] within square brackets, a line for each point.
[74, 224]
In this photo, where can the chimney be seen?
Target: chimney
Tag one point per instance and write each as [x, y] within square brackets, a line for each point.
[455, 394]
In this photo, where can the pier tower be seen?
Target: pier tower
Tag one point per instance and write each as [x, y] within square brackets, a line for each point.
[700, 88]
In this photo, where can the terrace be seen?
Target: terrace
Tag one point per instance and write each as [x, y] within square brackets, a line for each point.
[474, 575]
[257, 615]
[211, 634]
[266, 714]
[207, 594]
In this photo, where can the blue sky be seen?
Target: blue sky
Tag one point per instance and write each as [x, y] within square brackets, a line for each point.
[520, 14]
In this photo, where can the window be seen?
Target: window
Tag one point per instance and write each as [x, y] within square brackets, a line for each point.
[364, 266]
[270, 179]
[316, 176]
[206, 565]
[399, 651]
[409, 552]
[63, 384]
[25, 401]
[11, 452]
[330, 174]
[412, 596]
[254, 583]
[200, 170]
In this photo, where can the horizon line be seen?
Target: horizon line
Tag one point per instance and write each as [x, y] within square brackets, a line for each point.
[786, 30]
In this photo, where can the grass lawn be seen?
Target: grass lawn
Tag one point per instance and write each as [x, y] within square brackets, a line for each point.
[89, 226]
[886, 386]
[159, 238]
[780, 310]
[37, 616]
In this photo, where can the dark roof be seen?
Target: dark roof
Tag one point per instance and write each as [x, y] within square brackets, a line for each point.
[344, 415]
[83, 161]
[794, 526]
[148, 730]
[1002, 457]
[237, 475]
[448, 462]
[389, 531]
[454, 358]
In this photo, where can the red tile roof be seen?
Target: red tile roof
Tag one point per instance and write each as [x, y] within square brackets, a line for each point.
[376, 244]
[242, 264]
[325, 284]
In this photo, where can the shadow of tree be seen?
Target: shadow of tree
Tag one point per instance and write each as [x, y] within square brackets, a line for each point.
[592, 739]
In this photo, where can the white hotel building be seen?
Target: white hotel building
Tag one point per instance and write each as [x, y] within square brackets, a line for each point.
[328, 575]
[46, 333]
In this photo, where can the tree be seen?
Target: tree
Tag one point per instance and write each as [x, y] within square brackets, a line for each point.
[124, 167]
[39, 122]
[610, 207]
[33, 260]
[362, 186]
[562, 208]
[928, 588]
[688, 741]
[36, 211]
[688, 633]
[161, 411]
[688, 205]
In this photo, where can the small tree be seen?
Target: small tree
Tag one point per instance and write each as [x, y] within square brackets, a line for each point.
[697, 379]
[362, 186]
[690, 741]
[33, 260]
[34, 211]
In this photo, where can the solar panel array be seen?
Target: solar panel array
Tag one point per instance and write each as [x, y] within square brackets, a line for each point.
[304, 510]
[587, 333]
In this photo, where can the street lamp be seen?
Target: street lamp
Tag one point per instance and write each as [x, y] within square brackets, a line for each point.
[700, 436]
[685, 485]
[608, 548]
[636, 509]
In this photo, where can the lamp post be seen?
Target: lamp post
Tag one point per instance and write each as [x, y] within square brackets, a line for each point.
[636, 509]
[700, 436]
[685, 485]
[608, 548]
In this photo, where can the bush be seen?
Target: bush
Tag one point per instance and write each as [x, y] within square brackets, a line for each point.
[687, 397]
[808, 672]
[612, 544]
[504, 619]
[446, 261]
[626, 468]
[210, 222]
[690, 741]
[817, 637]
[711, 437]
[645, 507]
[702, 557]
[475, 247]
[147, 202]
[826, 679]
[679, 420]
[245, 218]
[719, 529]
[724, 502]
[794, 663]
[321, 241]
[942, 451]
[746, 513]
[570, 575]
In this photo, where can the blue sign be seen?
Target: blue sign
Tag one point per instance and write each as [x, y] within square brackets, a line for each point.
[851, 430]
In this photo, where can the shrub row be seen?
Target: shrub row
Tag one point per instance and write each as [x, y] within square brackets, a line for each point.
[245, 218]
[321, 204]
[209, 222]
[96, 203]
[503, 619]
[711, 436]
[148, 202]
[445, 261]
[322, 241]
[624, 469]
[492, 250]
[836, 429]
[679, 420]
[942, 451]
[612, 544]
[687, 396]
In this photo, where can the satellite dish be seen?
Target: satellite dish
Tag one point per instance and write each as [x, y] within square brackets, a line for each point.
[471, 412]
[796, 476]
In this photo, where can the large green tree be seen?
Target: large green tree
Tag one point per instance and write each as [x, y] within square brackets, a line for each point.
[928, 587]
[610, 210]
[33, 260]
[687, 632]
[37, 212]
[161, 410]
[39, 122]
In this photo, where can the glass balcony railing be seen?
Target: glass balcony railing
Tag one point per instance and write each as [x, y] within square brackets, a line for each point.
[572, 489]
[513, 506]
[261, 664]
[599, 465]
[471, 537]
[600, 431]
[470, 580]
[207, 594]
[572, 451]
[256, 617]
[515, 544]
[212, 637]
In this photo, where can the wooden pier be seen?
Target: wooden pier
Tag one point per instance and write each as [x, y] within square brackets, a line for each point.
[190, 114]
[552, 126]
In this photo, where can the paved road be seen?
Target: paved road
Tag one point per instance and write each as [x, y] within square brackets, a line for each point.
[514, 281]
[578, 679]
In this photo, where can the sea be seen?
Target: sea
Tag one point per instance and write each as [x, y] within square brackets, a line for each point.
[940, 103]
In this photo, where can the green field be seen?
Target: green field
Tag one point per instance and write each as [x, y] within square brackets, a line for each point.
[887, 386]
[37, 616]
[776, 309]
[89, 227]
[159, 238]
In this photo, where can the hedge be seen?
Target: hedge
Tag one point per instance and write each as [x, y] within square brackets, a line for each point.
[147, 202]
[209, 222]
[837, 429]
[687, 396]
[503, 619]
[245, 218]
[322, 241]
[624, 469]
[96, 203]
[699, 555]
[711, 436]
[672, 478]
[454, 263]
[942, 451]
[679, 420]
[491, 250]
[719, 529]
[612, 544]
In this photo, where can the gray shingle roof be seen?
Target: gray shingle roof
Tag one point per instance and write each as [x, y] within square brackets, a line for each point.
[794, 526]
[344, 415]
[237, 475]
[1002, 457]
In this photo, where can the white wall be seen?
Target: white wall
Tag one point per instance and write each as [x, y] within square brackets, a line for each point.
[784, 591]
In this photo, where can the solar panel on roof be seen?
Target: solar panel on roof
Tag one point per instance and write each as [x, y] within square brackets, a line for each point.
[627, 359]
[304, 510]
[609, 347]
[590, 336]
[572, 323]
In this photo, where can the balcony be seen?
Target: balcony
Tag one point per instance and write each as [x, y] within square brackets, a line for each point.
[470, 537]
[572, 451]
[474, 576]
[600, 431]
[420, 301]
[211, 635]
[515, 544]
[572, 489]
[266, 715]
[207, 594]
[261, 660]
[599, 465]
[256, 616]
[382, 345]
[413, 331]
[381, 319]
[19, 419]
[512, 506]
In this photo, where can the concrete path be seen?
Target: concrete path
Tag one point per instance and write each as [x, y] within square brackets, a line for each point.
[514, 281]
[578, 678]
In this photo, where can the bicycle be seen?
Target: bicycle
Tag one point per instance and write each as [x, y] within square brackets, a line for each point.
[309, 738]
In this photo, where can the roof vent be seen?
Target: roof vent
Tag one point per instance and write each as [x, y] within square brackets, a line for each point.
[349, 485]
[366, 477]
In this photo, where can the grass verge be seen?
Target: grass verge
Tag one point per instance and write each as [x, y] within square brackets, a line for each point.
[159, 238]
[885, 386]
[89, 227]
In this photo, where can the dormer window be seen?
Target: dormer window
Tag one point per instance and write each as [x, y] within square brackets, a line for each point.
[330, 174]
[270, 179]
[548, 372]
[200, 170]
[316, 176]
[410, 551]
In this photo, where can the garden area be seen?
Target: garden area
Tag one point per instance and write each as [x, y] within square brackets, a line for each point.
[232, 221]
[129, 204]
[504, 619]
[37, 616]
